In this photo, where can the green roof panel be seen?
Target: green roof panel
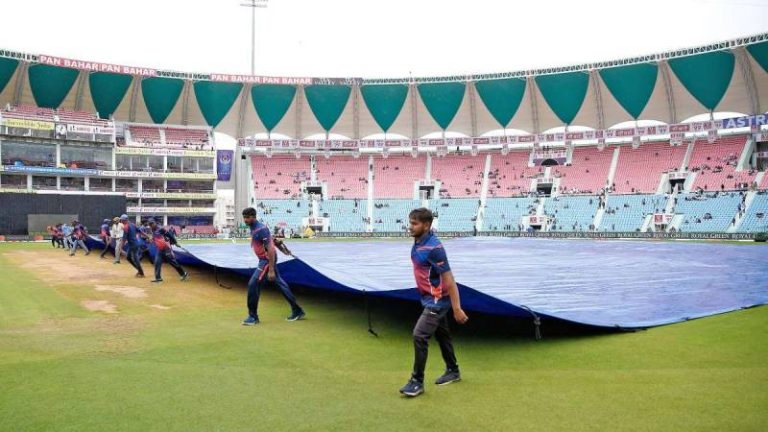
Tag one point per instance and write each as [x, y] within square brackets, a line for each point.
[215, 99]
[705, 76]
[7, 69]
[759, 52]
[108, 90]
[51, 84]
[327, 102]
[564, 93]
[632, 85]
[502, 97]
[442, 100]
[384, 102]
[160, 96]
[271, 102]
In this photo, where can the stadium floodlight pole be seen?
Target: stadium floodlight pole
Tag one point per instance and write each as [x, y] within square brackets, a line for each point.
[253, 4]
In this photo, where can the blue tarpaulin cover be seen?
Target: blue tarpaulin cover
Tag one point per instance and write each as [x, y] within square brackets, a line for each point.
[628, 284]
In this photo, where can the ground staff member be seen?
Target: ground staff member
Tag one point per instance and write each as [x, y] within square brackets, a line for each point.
[131, 237]
[439, 295]
[116, 232]
[267, 272]
[163, 239]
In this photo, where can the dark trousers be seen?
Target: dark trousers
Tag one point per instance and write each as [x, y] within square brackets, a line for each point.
[134, 258]
[259, 281]
[432, 322]
[106, 246]
[78, 243]
[167, 256]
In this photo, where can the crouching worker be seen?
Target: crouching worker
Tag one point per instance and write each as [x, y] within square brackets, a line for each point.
[163, 240]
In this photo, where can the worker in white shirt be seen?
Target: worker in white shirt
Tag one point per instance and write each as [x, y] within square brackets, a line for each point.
[116, 232]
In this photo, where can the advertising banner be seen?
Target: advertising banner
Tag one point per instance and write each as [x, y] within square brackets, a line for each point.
[224, 164]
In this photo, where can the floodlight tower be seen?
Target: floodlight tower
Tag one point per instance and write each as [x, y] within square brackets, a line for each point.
[254, 4]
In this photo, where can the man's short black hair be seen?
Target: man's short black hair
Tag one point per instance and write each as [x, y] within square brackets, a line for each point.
[423, 215]
[249, 212]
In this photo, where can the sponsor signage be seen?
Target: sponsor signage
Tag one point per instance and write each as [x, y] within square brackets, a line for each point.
[163, 152]
[28, 124]
[171, 210]
[171, 195]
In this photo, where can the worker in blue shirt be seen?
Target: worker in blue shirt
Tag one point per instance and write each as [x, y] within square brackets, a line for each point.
[439, 295]
[131, 238]
[267, 272]
[164, 240]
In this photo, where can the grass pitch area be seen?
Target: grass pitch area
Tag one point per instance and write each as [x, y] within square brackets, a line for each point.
[84, 346]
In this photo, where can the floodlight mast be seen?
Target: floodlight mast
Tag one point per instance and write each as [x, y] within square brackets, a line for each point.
[254, 4]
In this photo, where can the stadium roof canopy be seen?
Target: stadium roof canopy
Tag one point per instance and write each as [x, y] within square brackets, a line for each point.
[668, 87]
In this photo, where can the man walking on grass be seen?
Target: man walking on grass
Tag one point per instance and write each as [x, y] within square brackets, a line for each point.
[131, 237]
[267, 272]
[439, 295]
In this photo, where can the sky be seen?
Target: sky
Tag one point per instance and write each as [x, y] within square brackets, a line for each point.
[370, 39]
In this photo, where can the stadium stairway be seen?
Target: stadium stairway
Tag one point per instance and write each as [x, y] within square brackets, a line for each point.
[483, 194]
[746, 155]
[687, 157]
[749, 199]
[614, 166]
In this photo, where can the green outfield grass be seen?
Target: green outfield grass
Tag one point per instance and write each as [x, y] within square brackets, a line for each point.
[175, 358]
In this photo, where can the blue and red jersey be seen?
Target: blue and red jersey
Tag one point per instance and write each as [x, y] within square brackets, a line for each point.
[429, 263]
[261, 239]
[79, 232]
[131, 233]
[161, 238]
[104, 231]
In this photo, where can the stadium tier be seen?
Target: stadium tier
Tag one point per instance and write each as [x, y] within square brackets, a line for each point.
[714, 164]
[640, 170]
[511, 175]
[627, 213]
[54, 151]
[393, 177]
[580, 196]
[587, 173]
[756, 217]
[459, 175]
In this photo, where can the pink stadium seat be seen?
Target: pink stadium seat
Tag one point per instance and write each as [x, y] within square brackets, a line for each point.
[588, 171]
[715, 164]
[640, 170]
[394, 176]
[186, 137]
[47, 114]
[145, 136]
[510, 175]
[279, 177]
[346, 176]
[461, 176]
